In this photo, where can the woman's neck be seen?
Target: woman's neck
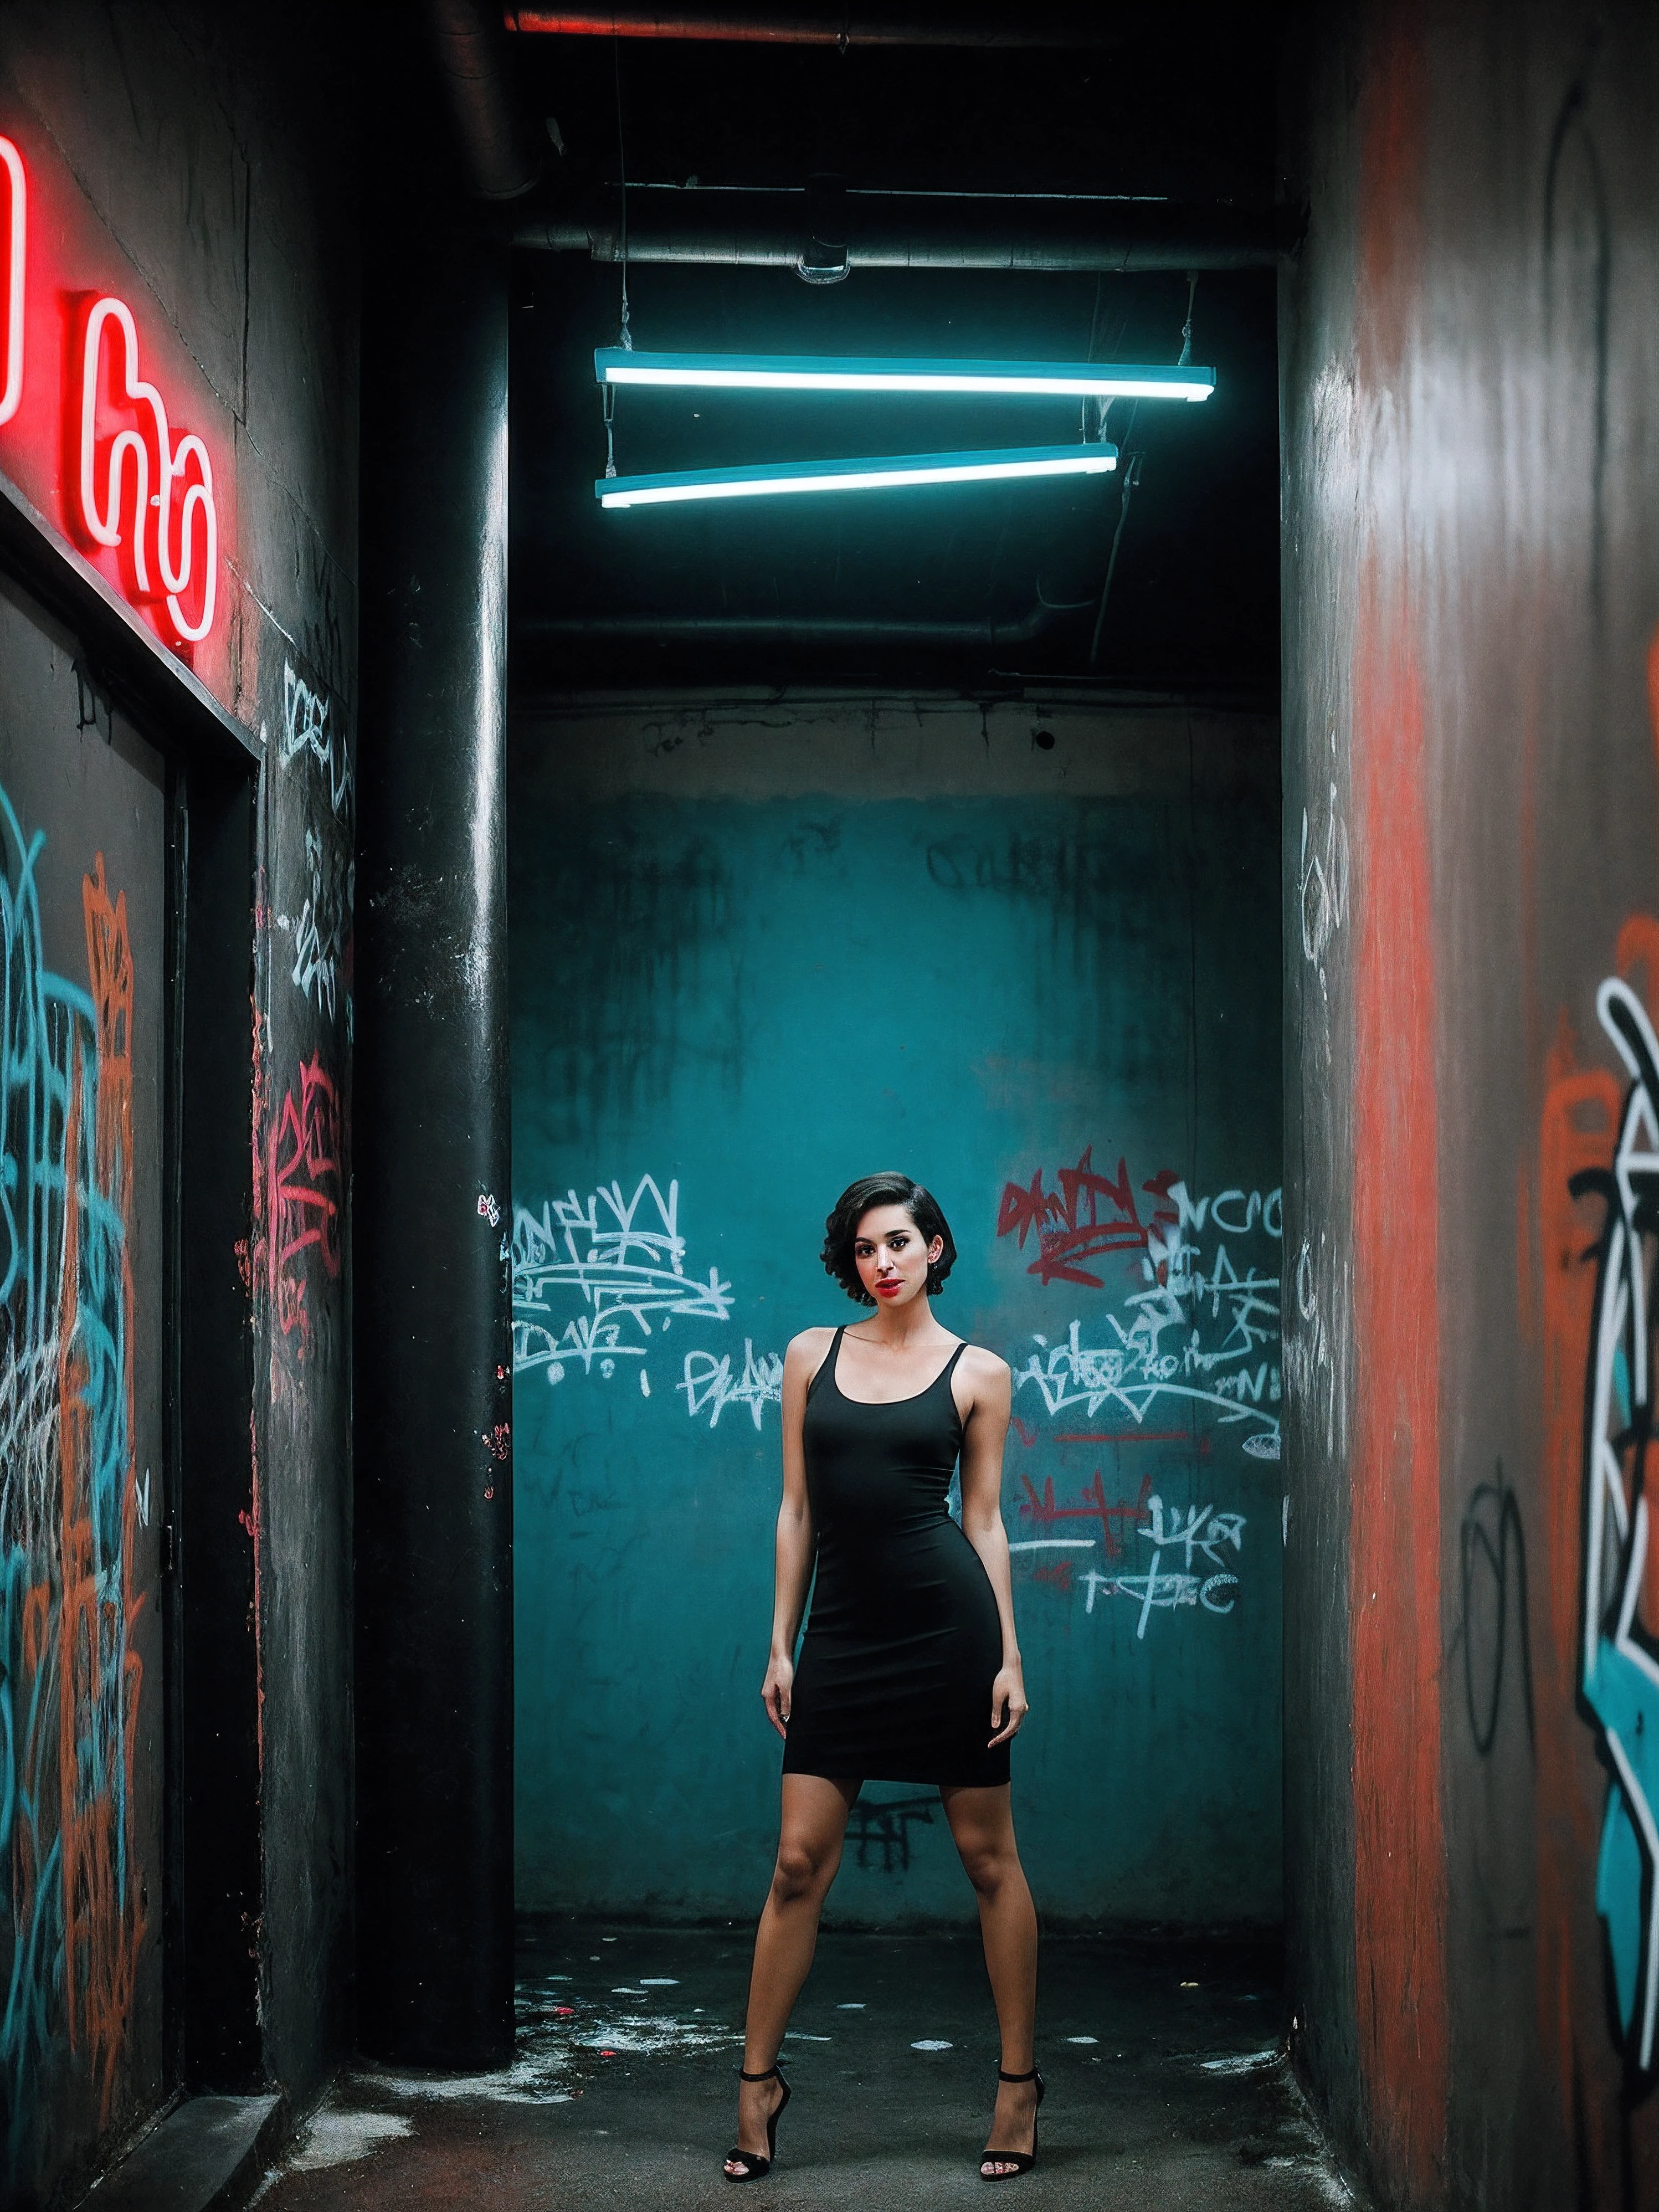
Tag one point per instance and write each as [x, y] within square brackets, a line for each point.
[912, 1324]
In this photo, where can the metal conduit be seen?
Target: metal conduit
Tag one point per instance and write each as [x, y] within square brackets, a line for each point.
[713, 633]
[502, 159]
[904, 230]
[1031, 25]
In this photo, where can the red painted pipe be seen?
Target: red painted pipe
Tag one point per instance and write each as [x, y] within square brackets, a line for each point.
[1029, 26]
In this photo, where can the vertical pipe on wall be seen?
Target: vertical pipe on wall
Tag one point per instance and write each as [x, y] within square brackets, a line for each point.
[432, 1333]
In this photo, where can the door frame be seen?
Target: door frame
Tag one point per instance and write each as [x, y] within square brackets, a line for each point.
[212, 1842]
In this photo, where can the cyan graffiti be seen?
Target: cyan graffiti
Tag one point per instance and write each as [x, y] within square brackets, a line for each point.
[1619, 1659]
[70, 1679]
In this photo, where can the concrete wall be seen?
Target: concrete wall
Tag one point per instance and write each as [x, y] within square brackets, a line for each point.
[211, 147]
[1471, 442]
[1030, 955]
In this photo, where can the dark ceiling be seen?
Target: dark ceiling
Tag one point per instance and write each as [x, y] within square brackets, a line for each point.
[983, 586]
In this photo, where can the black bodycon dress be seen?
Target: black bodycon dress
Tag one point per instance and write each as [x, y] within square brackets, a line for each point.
[904, 1643]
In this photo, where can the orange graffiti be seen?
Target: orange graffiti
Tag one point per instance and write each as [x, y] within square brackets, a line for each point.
[98, 1719]
[1400, 1878]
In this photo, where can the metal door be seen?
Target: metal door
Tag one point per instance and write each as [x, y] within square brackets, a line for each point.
[83, 910]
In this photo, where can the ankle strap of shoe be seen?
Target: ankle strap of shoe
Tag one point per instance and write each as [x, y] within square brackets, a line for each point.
[766, 2076]
[1004, 2075]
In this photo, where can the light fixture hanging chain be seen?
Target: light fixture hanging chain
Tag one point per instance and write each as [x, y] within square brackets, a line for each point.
[1186, 328]
[1100, 405]
[622, 173]
[1131, 478]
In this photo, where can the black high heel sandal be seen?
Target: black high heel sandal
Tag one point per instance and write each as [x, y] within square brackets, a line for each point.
[1022, 2162]
[759, 2167]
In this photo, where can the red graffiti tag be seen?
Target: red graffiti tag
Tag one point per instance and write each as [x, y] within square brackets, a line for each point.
[303, 1177]
[1090, 1215]
[1042, 1511]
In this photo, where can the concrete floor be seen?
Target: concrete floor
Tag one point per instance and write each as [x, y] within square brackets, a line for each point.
[1166, 2086]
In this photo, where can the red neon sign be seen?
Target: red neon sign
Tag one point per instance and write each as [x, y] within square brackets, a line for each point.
[172, 534]
[16, 236]
[88, 419]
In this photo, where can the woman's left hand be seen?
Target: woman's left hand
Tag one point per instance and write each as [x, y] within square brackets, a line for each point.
[1007, 1698]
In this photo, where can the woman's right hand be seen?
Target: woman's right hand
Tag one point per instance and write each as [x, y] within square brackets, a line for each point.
[777, 1693]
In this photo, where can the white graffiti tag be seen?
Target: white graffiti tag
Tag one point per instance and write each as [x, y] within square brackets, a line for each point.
[1202, 1332]
[307, 728]
[319, 928]
[1137, 1372]
[709, 1386]
[1322, 880]
[1198, 1538]
[623, 1258]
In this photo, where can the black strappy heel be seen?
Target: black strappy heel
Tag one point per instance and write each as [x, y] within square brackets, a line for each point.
[759, 2167]
[1022, 2162]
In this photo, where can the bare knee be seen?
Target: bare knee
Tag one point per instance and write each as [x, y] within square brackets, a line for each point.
[804, 1870]
[990, 1868]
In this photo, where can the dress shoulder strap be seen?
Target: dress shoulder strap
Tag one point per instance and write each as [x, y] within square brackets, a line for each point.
[949, 1368]
[827, 1365]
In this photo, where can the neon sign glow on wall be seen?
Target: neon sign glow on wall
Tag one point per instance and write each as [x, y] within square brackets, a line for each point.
[163, 523]
[16, 237]
[86, 432]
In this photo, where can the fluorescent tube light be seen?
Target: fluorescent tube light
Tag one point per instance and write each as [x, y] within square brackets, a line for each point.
[888, 472]
[1039, 379]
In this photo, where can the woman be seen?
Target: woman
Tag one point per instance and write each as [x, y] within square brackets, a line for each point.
[910, 1670]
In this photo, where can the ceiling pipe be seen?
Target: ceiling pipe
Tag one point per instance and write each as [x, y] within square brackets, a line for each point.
[1032, 24]
[797, 632]
[502, 158]
[914, 230]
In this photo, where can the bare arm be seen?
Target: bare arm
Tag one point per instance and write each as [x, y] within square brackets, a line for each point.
[985, 1435]
[797, 1539]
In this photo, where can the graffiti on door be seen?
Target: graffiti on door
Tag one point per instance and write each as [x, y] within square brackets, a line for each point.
[70, 1502]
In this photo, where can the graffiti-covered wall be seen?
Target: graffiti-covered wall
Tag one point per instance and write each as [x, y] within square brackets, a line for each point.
[1472, 901]
[195, 163]
[1031, 956]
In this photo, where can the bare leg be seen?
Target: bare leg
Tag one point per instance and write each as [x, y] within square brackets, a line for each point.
[813, 1823]
[982, 1824]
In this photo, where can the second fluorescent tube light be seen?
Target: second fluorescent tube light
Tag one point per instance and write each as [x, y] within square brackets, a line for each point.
[733, 372]
[887, 473]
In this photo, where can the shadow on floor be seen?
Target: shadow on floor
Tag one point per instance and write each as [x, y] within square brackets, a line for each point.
[1166, 2086]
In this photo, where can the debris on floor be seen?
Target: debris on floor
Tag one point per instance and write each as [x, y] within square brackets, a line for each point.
[1167, 2082]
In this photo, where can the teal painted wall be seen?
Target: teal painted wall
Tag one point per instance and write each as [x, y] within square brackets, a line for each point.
[758, 951]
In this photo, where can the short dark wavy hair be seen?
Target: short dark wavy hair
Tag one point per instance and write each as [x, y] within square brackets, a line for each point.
[841, 1229]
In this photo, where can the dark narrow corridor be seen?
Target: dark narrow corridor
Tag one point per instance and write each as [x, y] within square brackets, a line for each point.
[613, 622]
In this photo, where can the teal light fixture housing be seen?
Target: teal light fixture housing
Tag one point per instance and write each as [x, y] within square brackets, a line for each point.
[615, 366]
[887, 473]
